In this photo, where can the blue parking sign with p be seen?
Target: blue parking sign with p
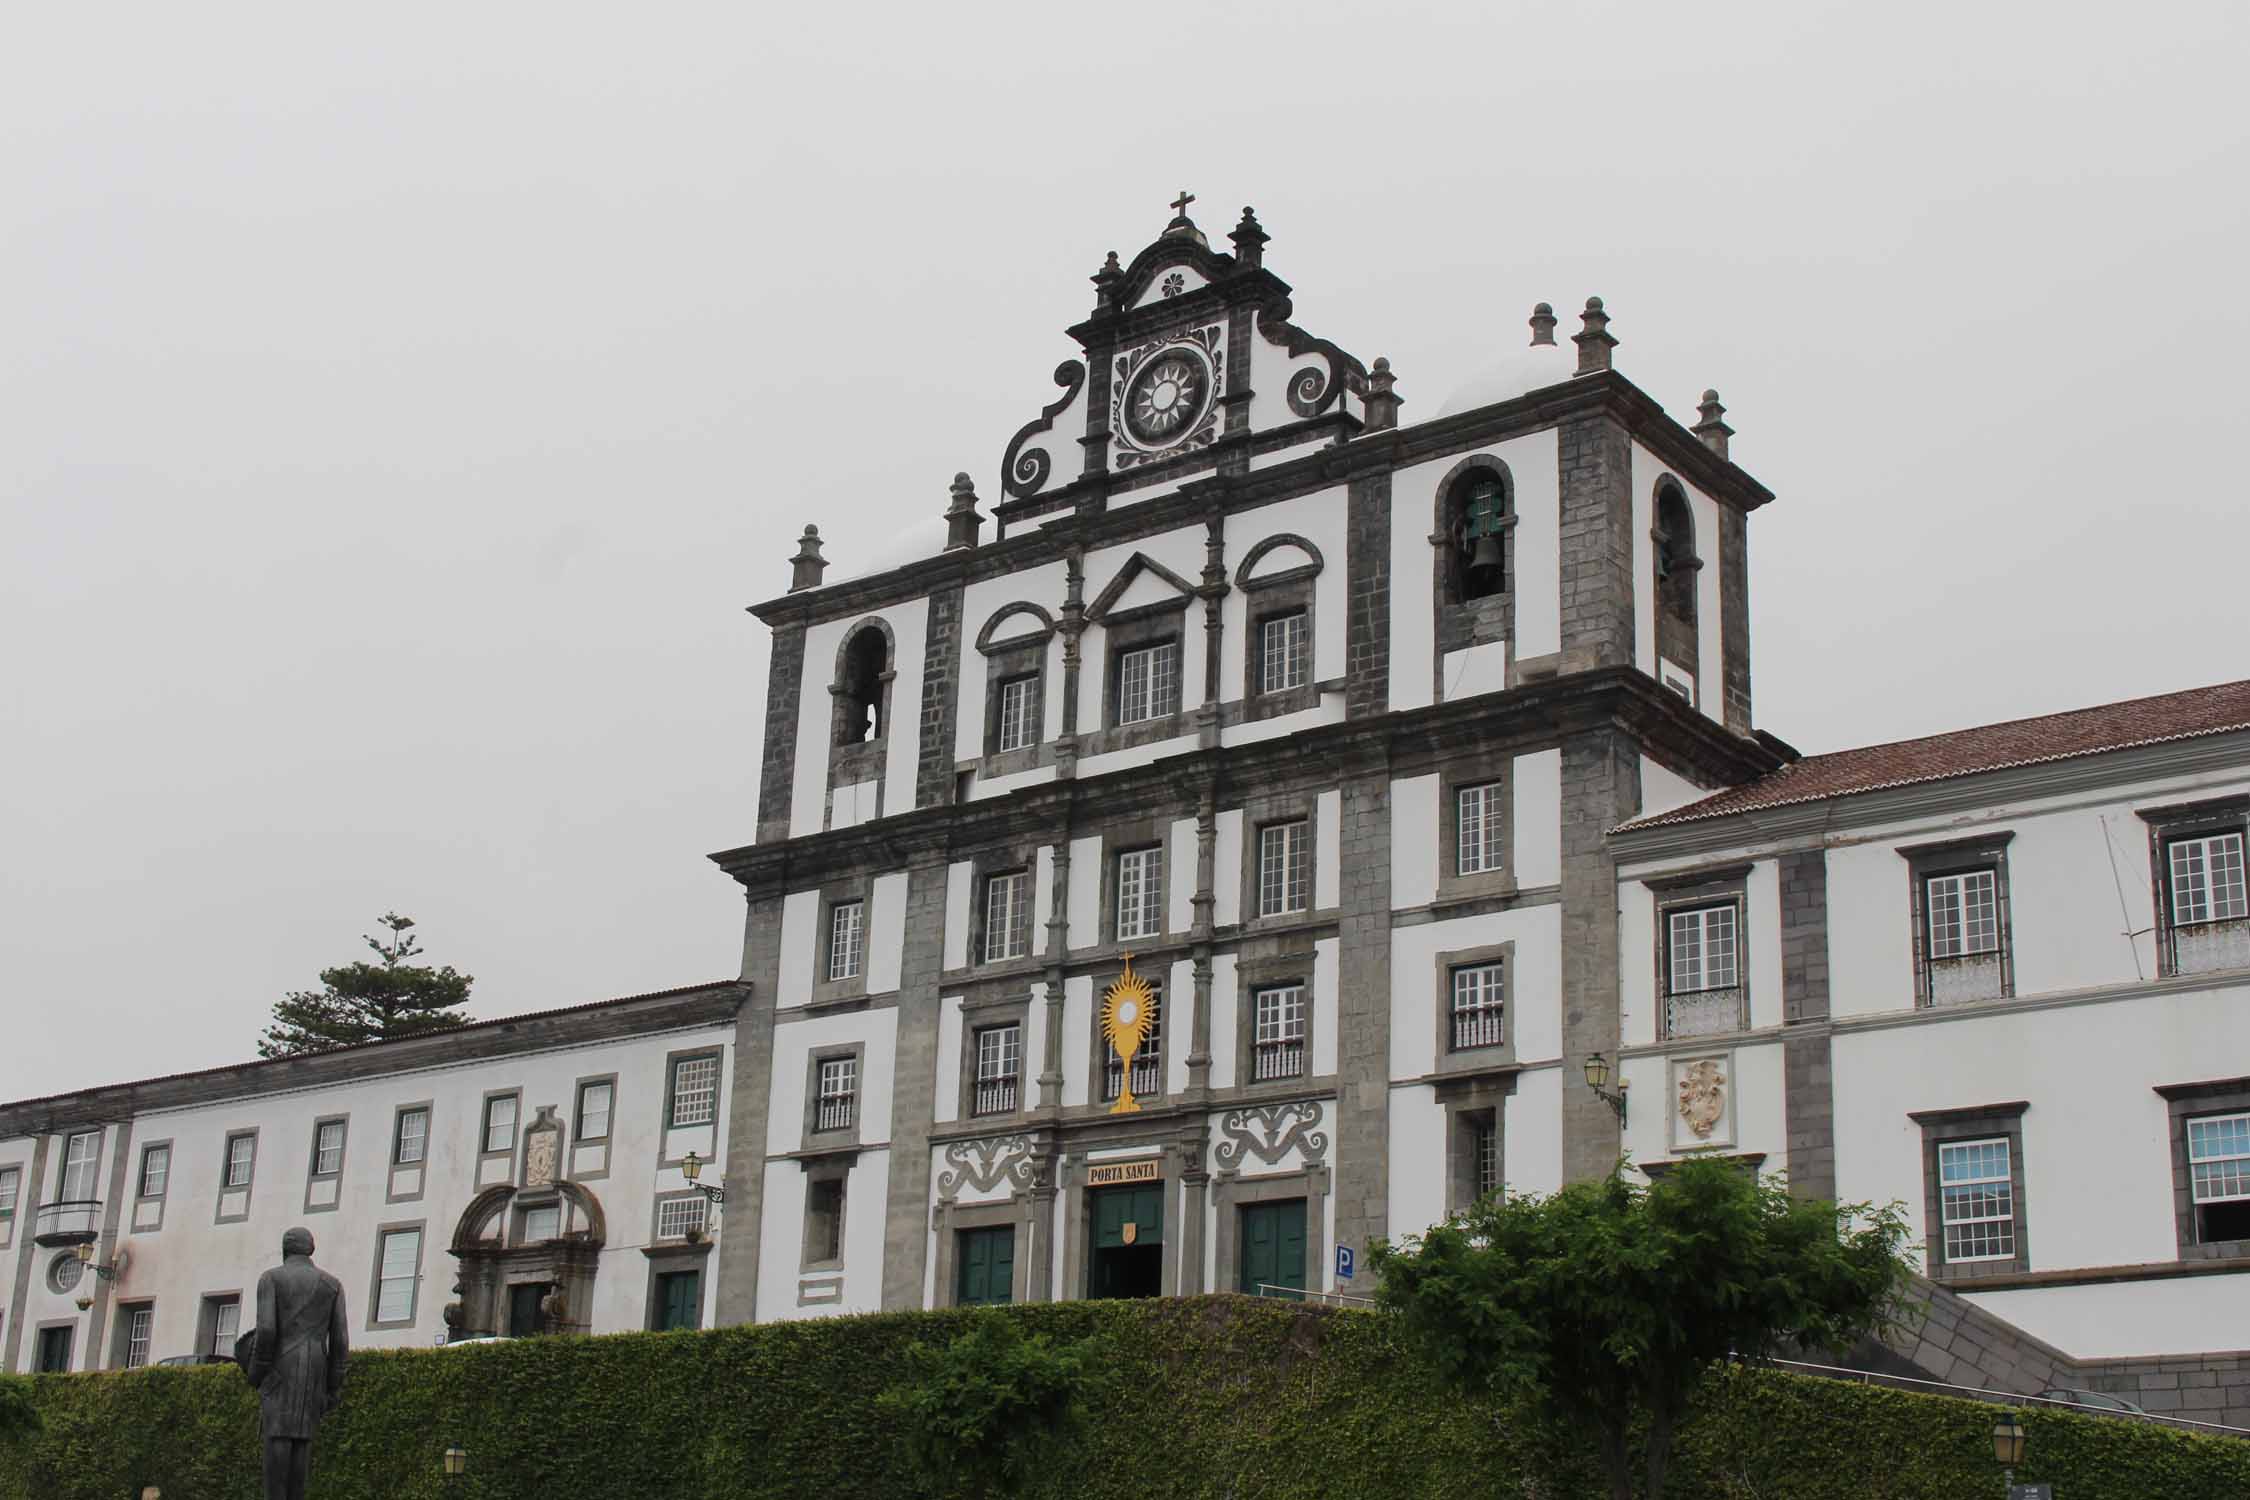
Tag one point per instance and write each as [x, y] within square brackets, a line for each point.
[1344, 1262]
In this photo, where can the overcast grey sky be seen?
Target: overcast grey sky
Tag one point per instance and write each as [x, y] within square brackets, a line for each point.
[398, 406]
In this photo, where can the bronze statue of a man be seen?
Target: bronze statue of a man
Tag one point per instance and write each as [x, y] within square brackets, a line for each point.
[296, 1361]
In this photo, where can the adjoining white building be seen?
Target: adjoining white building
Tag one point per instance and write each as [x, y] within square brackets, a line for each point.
[1413, 768]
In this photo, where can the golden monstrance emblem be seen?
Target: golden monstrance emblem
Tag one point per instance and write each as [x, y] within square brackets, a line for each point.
[1125, 1023]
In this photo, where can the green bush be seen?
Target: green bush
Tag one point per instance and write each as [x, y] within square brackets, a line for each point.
[1214, 1398]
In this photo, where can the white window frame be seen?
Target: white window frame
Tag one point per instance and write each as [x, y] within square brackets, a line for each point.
[226, 1325]
[11, 1190]
[1285, 868]
[1148, 682]
[159, 1156]
[1007, 915]
[401, 1137]
[2000, 1243]
[836, 1101]
[241, 1152]
[998, 1080]
[321, 1166]
[81, 1172]
[140, 1334]
[2205, 874]
[695, 1101]
[1479, 1005]
[1278, 1032]
[389, 1278]
[1480, 828]
[1140, 893]
[582, 1114]
[542, 1223]
[676, 1218]
[1694, 972]
[1019, 713]
[1284, 651]
[1962, 912]
[847, 939]
[2225, 1148]
[492, 1124]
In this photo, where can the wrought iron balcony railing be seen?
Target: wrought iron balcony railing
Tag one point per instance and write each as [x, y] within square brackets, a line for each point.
[67, 1221]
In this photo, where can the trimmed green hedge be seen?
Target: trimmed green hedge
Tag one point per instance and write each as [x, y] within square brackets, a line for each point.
[1219, 1398]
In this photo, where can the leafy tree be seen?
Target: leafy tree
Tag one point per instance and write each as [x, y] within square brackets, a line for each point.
[1606, 1304]
[364, 1002]
[978, 1412]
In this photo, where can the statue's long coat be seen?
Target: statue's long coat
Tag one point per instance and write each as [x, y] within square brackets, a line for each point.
[298, 1366]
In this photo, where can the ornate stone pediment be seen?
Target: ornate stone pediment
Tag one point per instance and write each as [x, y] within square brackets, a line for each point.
[984, 1163]
[1266, 1133]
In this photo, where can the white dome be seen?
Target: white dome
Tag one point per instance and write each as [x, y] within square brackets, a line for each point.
[1526, 369]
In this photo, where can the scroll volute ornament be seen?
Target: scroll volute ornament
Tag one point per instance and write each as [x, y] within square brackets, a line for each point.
[1125, 1023]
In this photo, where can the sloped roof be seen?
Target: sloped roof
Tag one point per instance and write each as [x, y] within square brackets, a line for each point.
[1989, 747]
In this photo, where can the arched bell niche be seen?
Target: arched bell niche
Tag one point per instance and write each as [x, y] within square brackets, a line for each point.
[527, 1257]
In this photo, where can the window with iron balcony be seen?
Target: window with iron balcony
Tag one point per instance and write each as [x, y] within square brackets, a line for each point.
[1278, 1037]
[999, 1069]
[1479, 1008]
[1702, 970]
[839, 1091]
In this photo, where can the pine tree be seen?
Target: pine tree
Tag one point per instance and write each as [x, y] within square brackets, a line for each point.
[364, 1002]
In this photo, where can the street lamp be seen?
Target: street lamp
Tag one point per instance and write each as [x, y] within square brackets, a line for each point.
[2008, 1438]
[692, 1170]
[1597, 1079]
[107, 1270]
[456, 1462]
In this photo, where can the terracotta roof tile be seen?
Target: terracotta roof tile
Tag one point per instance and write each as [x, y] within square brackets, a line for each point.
[1990, 747]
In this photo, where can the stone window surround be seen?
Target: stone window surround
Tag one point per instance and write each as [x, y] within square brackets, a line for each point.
[1677, 638]
[207, 1318]
[312, 1161]
[819, 1170]
[140, 1180]
[1460, 623]
[672, 1061]
[1259, 814]
[1688, 890]
[983, 865]
[1458, 773]
[1285, 591]
[392, 1167]
[121, 1332]
[1466, 1101]
[1078, 1211]
[1022, 654]
[1097, 1059]
[1119, 839]
[813, 1137]
[1975, 1122]
[835, 893]
[1133, 630]
[383, 1232]
[1475, 1059]
[1231, 1194]
[2184, 1102]
[69, 1326]
[670, 1258]
[569, 1166]
[979, 1013]
[1265, 966]
[2184, 820]
[846, 754]
[484, 1128]
[656, 1219]
[1012, 1212]
[1985, 851]
[226, 1154]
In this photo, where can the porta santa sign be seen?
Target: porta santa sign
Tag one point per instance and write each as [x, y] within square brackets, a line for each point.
[1113, 1173]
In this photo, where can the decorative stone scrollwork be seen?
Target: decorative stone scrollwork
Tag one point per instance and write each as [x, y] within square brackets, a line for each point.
[1311, 391]
[1266, 1133]
[1703, 1097]
[986, 1162]
[1024, 471]
[1164, 395]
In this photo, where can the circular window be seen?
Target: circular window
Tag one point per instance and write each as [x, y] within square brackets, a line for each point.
[64, 1271]
[1167, 397]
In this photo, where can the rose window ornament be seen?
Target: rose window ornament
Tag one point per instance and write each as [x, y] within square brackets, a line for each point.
[1166, 397]
[1174, 284]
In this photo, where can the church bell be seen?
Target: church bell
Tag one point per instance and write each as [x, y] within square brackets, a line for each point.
[1486, 566]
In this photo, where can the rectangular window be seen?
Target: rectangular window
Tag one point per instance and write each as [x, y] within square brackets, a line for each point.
[1279, 1032]
[824, 1219]
[1977, 1200]
[1479, 1012]
[1964, 913]
[226, 1325]
[242, 1150]
[542, 1224]
[398, 1270]
[80, 1165]
[140, 1331]
[1702, 978]
[411, 1142]
[11, 1186]
[500, 1123]
[1284, 851]
[1148, 683]
[1283, 643]
[2207, 879]
[1019, 713]
[594, 1101]
[156, 1171]
[677, 1218]
[1479, 828]
[1486, 1144]
[328, 1148]
[999, 1068]
[1148, 1062]
[2219, 1176]
[1140, 893]
[847, 939]
[1007, 915]
[695, 1091]
[839, 1092]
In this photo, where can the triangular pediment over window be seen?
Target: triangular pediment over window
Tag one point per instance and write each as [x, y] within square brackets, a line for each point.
[1143, 583]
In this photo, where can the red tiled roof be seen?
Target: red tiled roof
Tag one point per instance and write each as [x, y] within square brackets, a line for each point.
[1991, 747]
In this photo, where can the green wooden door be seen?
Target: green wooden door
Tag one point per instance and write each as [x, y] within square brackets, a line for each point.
[1273, 1247]
[679, 1300]
[1141, 1207]
[988, 1266]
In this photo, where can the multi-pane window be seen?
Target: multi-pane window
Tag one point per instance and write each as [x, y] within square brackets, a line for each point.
[2219, 1176]
[140, 1330]
[11, 1186]
[396, 1275]
[1278, 1032]
[80, 1162]
[1284, 863]
[156, 1171]
[410, 1142]
[542, 1224]
[695, 1090]
[242, 1150]
[1019, 713]
[1007, 915]
[1479, 829]
[677, 1218]
[1964, 913]
[328, 1148]
[1485, 1142]
[500, 1123]
[595, 1100]
[226, 1325]
[1284, 643]
[1976, 1200]
[1148, 682]
[1702, 971]
[999, 1069]
[1140, 893]
[1148, 1062]
[847, 939]
[839, 1092]
[1479, 1009]
[2207, 879]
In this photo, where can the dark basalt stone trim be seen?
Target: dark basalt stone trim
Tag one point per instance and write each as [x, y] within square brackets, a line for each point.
[1535, 713]
[2013, 1109]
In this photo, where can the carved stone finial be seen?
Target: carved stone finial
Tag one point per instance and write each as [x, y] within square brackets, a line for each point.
[807, 566]
[1250, 238]
[1595, 342]
[1542, 327]
[962, 523]
[1713, 429]
[1105, 282]
[1382, 397]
